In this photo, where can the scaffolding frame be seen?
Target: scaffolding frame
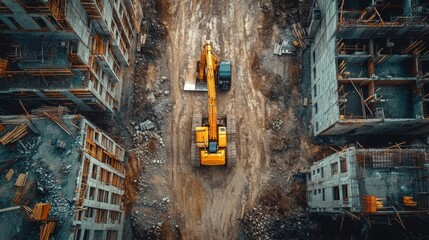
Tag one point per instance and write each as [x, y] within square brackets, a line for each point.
[371, 15]
[395, 156]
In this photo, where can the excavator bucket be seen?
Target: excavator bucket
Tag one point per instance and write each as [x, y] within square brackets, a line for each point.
[191, 82]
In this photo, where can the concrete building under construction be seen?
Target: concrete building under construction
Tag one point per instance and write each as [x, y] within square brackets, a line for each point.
[66, 162]
[375, 185]
[370, 67]
[72, 53]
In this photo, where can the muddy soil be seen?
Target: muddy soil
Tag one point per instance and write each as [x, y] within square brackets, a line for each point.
[174, 200]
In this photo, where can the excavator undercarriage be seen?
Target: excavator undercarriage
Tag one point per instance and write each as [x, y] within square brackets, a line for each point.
[231, 152]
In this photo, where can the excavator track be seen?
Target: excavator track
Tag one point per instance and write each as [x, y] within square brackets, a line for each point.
[231, 151]
[195, 156]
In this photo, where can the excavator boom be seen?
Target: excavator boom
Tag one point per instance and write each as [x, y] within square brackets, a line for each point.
[208, 66]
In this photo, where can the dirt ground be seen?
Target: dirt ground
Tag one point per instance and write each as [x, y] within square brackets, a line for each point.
[175, 201]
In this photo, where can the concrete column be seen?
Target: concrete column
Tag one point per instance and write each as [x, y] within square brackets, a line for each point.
[81, 104]
[371, 46]
[415, 66]
[91, 234]
[371, 68]
[48, 23]
[406, 7]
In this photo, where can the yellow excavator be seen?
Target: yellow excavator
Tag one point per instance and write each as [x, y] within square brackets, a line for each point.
[213, 138]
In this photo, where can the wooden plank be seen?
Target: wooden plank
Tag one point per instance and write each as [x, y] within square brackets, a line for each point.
[9, 174]
[22, 179]
[14, 135]
[41, 211]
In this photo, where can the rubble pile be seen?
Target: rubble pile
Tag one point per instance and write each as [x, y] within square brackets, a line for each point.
[152, 207]
[268, 222]
[287, 12]
[153, 226]
[49, 186]
[149, 148]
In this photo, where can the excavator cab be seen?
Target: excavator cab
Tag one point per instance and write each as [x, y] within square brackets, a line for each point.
[224, 76]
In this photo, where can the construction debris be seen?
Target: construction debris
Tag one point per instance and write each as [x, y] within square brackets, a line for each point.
[147, 125]
[299, 33]
[3, 64]
[40, 212]
[9, 174]
[14, 135]
[22, 179]
[46, 230]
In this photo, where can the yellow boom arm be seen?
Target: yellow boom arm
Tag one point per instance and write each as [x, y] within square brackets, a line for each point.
[208, 66]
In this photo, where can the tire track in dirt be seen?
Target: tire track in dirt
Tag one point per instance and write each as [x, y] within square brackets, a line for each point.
[208, 201]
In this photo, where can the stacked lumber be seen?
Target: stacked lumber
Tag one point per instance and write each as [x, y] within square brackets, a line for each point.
[41, 211]
[24, 195]
[22, 179]
[3, 64]
[299, 34]
[99, 47]
[17, 198]
[46, 230]
[9, 174]
[14, 135]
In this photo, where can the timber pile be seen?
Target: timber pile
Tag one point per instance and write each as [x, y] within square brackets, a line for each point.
[299, 34]
[22, 179]
[46, 230]
[20, 183]
[9, 174]
[3, 64]
[41, 211]
[24, 195]
[14, 135]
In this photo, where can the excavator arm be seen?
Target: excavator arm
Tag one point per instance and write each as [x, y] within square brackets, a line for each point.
[207, 69]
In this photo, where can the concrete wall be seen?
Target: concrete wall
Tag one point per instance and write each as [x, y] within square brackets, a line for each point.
[78, 20]
[25, 21]
[388, 174]
[106, 79]
[377, 127]
[87, 225]
[402, 117]
[319, 183]
[324, 84]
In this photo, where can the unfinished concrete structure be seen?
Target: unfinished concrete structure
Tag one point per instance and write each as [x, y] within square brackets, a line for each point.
[66, 52]
[345, 182]
[70, 164]
[370, 67]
